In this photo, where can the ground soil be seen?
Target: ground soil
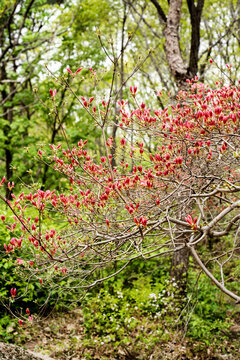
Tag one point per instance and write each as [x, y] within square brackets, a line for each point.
[62, 337]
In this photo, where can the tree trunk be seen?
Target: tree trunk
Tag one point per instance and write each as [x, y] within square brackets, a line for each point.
[6, 130]
[180, 259]
[179, 274]
[172, 47]
[178, 69]
[115, 123]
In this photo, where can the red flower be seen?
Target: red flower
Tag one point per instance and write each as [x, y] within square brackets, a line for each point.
[191, 221]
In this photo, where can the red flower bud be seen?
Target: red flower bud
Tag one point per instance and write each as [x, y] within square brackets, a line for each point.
[78, 70]
[136, 220]
[3, 180]
[11, 186]
[52, 92]
[133, 90]
[13, 292]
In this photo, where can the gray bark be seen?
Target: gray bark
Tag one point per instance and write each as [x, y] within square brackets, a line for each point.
[172, 49]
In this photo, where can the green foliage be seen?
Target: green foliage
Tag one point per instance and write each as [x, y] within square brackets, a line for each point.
[12, 276]
[138, 305]
[209, 318]
[134, 303]
[7, 328]
[122, 307]
[33, 294]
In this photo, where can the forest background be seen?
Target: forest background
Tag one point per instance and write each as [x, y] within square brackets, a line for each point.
[82, 33]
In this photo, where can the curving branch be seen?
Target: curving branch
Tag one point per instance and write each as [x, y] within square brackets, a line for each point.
[210, 275]
[161, 14]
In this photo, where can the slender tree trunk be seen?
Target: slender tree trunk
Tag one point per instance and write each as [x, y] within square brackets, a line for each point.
[180, 259]
[6, 130]
[9, 172]
[46, 167]
[179, 274]
[55, 129]
[115, 123]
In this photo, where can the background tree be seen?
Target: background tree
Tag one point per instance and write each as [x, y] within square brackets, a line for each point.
[189, 28]
[24, 38]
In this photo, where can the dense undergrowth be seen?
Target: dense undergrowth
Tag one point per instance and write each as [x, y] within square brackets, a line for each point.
[139, 304]
[139, 307]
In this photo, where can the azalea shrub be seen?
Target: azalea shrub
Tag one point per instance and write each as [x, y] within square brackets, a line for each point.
[141, 199]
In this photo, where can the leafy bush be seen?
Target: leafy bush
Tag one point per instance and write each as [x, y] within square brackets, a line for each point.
[210, 317]
[145, 305]
[33, 293]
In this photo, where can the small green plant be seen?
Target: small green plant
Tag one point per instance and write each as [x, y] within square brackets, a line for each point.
[209, 319]
[131, 306]
[146, 306]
